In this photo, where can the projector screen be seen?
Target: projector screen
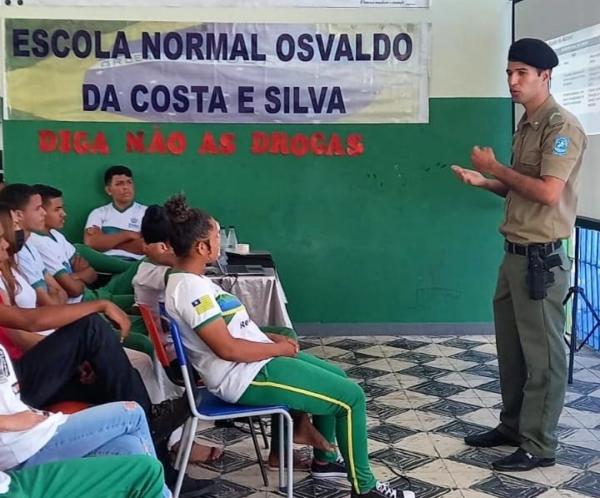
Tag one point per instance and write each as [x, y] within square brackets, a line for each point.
[572, 28]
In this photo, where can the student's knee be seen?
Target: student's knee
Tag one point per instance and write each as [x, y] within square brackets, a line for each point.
[354, 394]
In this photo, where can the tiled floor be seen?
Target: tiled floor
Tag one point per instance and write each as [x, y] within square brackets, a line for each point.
[424, 395]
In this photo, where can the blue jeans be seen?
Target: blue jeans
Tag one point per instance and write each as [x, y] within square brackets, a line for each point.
[111, 429]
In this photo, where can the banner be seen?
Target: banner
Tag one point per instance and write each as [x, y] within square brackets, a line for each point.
[237, 73]
[231, 3]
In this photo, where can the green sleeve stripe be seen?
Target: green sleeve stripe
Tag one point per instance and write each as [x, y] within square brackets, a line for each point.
[60, 272]
[206, 322]
[40, 284]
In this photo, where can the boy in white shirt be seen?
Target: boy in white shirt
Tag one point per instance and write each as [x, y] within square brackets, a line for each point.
[114, 228]
[28, 215]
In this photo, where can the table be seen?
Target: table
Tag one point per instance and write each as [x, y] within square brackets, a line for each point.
[262, 295]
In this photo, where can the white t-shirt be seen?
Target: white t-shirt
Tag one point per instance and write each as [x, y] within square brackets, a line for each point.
[31, 265]
[149, 289]
[25, 296]
[17, 447]
[194, 301]
[111, 220]
[56, 252]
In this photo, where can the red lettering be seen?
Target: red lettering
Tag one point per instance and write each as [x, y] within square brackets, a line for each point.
[134, 142]
[355, 145]
[260, 142]
[157, 144]
[299, 145]
[208, 145]
[227, 143]
[176, 143]
[46, 141]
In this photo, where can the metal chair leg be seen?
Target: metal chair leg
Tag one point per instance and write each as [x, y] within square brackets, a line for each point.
[186, 456]
[290, 455]
[264, 432]
[261, 464]
[282, 454]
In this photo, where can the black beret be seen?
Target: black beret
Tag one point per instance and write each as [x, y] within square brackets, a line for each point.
[533, 52]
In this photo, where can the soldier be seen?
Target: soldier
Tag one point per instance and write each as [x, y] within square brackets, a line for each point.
[540, 210]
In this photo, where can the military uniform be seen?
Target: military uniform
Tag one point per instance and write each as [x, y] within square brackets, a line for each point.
[529, 332]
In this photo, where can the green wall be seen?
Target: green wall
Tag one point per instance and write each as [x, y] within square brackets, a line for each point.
[389, 236]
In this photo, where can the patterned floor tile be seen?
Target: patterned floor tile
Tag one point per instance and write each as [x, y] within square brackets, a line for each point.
[587, 483]
[438, 389]
[474, 356]
[414, 357]
[389, 433]
[582, 387]
[433, 473]
[312, 488]
[424, 372]
[465, 475]
[400, 459]
[483, 416]
[461, 343]
[422, 489]
[485, 370]
[229, 462]
[460, 429]
[409, 344]
[450, 408]
[383, 411]
[223, 435]
[493, 387]
[372, 390]
[481, 457]
[354, 358]
[223, 487]
[588, 403]
[509, 487]
[576, 457]
[361, 372]
[442, 351]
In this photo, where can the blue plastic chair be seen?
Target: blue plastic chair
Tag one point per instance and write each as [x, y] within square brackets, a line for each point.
[206, 406]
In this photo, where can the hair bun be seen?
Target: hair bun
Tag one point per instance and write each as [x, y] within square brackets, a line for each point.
[177, 209]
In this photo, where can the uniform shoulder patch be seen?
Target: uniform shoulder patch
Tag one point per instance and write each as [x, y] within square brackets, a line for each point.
[556, 118]
[202, 304]
[561, 146]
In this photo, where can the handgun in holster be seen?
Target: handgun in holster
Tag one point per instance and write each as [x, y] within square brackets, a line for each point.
[539, 274]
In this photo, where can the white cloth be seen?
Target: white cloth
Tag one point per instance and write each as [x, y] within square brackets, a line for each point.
[56, 253]
[262, 295]
[25, 297]
[157, 383]
[31, 265]
[17, 447]
[194, 301]
[110, 220]
[149, 289]
[4, 483]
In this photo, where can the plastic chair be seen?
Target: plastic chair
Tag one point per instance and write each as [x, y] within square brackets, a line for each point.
[206, 406]
[163, 358]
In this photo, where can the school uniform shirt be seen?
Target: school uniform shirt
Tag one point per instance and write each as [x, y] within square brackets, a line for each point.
[110, 220]
[25, 296]
[56, 253]
[149, 289]
[194, 302]
[18, 447]
[31, 265]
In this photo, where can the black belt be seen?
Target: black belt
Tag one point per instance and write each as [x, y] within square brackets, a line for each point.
[521, 250]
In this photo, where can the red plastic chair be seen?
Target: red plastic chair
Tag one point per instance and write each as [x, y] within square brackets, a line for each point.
[152, 329]
[68, 407]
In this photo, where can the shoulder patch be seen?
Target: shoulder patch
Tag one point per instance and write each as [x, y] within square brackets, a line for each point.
[561, 146]
[556, 118]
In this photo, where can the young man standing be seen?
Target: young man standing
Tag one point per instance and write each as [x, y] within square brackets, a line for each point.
[541, 202]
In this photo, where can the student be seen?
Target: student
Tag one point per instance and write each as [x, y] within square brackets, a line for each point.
[114, 229]
[28, 216]
[94, 477]
[29, 437]
[241, 364]
[149, 288]
[60, 257]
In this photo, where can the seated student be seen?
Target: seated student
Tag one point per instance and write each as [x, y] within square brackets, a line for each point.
[29, 437]
[241, 364]
[37, 289]
[94, 477]
[149, 289]
[26, 206]
[114, 229]
[60, 257]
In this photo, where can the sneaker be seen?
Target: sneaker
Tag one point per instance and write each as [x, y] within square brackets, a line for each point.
[330, 470]
[168, 416]
[384, 490]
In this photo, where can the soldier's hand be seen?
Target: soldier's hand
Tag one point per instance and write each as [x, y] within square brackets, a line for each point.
[483, 158]
[468, 176]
